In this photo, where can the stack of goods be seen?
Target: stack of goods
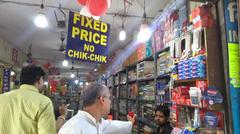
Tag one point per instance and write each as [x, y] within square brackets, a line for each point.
[194, 67]
[158, 38]
[147, 112]
[123, 78]
[132, 75]
[122, 106]
[116, 80]
[147, 92]
[133, 91]
[202, 17]
[141, 51]
[148, 48]
[110, 81]
[132, 106]
[163, 94]
[145, 69]
[123, 91]
[163, 63]
[180, 95]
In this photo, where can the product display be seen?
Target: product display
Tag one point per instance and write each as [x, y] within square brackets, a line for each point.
[179, 72]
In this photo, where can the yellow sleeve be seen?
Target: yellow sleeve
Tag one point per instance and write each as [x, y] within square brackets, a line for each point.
[46, 119]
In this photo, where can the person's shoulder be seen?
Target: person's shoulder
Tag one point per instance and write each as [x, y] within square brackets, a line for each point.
[75, 124]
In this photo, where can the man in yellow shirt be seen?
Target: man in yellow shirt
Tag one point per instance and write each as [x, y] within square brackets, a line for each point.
[26, 111]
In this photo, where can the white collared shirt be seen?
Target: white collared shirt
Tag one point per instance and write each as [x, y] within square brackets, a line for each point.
[84, 123]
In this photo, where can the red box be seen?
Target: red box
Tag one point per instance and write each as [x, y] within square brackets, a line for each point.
[201, 11]
[202, 85]
[183, 90]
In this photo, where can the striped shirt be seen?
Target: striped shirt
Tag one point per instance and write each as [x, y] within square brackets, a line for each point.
[26, 111]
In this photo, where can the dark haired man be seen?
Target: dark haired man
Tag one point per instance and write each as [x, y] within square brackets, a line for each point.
[162, 114]
[96, 104]
[26, 111]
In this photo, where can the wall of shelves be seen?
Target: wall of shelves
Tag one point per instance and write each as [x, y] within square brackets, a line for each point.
[179, 74]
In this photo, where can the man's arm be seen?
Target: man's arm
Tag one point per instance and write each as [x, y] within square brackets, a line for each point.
[46, 119]
[118, 127]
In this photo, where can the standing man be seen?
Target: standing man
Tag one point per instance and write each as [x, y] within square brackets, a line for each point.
[96, 104]
[162, 114]
[26, 111]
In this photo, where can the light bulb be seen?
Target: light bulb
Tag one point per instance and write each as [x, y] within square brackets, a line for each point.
[76, 81]
[122, 35]
[80, 83]
[45, 83]
[65, 63]
[95, 69]
[72, 75]
[12, 73]
[41, 20]
[87, 83]
[144, 33]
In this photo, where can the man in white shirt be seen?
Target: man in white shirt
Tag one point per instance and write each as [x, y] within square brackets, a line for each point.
[96, 102]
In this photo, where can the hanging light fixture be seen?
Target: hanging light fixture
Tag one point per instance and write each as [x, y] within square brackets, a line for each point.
[72, 75]
[76, 81]
[65, 63]
[145, 32]
[122, 33]
[41, 20]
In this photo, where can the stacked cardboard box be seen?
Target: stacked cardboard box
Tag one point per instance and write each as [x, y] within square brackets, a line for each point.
[145, 69]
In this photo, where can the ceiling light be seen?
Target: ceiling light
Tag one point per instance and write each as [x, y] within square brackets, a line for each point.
[45, 83]
[72, 75]
[144, 33]
[41, 20]
[65, 63]
[80, 83]
[76, 82]
[12, 73]
[95, 69]
[122, 35]
[87, 83]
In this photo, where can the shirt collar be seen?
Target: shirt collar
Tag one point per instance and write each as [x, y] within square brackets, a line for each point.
[28, 87]
[89, 116]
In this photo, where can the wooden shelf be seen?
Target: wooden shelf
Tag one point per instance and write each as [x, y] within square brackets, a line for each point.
[150, 58]
[123, 98]
[152, 101]
[162, 50]
[132, 81]
[146, 79]
[188, 80]
[163, 76]
[132, 99]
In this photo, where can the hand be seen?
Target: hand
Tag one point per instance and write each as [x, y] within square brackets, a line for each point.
[132, 119]
[63, 110]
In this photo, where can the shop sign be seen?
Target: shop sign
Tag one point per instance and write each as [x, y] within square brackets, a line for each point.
[87, 39]
[6, 80]
[231, 18]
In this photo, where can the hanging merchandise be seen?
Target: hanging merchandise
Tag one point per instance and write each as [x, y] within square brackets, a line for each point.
[6, 80]
[85, 12]
[82, 2]
[212, 96]
[97, 7]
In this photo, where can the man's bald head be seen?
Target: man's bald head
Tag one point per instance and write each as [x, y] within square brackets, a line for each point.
[92, 92]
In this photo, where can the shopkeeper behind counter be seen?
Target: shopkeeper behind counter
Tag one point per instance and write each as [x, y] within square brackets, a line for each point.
[162, 114]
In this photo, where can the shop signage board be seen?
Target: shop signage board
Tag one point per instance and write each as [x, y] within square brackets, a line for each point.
[87, 39]
[231, 22]
[6, 80]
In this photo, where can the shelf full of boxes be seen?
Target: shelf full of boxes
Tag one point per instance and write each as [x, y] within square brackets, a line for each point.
[179, 67]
